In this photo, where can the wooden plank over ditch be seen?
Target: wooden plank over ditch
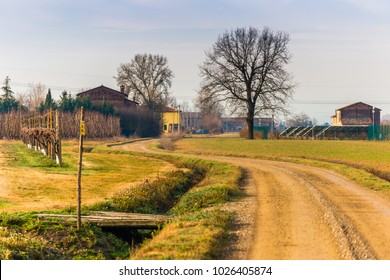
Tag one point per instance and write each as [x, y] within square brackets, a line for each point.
[113, 219]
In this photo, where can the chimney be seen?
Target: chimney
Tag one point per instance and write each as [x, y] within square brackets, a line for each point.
[122, 88]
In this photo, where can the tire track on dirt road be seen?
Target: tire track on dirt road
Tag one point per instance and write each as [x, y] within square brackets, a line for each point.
[301, 212]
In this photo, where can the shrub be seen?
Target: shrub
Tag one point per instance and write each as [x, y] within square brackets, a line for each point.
[167, 141]
[140, 122]
[26, 237]
[157, 196]
[256, 134]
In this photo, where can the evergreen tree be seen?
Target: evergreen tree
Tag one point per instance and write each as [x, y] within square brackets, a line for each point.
[67, 103]
[7, 100]
[8, 93]
[49, 103]
[85, 102]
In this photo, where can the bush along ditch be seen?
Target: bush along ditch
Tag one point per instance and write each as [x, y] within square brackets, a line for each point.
[155, 197]
[24, 236]
[200, 230]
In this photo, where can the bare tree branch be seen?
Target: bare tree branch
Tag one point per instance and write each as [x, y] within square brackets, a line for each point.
[147, 79]
[245, 69]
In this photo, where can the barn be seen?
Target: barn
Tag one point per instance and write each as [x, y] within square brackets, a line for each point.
[354, 121]
[103, 95]
[357, 114]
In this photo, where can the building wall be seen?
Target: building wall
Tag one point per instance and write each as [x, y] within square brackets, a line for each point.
[356, 114]
[171, 122]
[102, 94]
[191, 121]
[336, 119]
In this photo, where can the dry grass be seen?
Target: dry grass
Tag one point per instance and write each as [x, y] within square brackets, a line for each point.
[29, 182]
[197, 237]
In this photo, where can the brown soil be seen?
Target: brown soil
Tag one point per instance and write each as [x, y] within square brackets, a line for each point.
[297, 212]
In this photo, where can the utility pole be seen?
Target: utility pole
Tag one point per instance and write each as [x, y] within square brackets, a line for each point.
[178, 119]
[373, 123]
[82, 133]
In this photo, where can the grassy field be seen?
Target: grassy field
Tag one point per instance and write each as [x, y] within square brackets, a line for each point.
[363, 152]
[30, 181]
[367, 163]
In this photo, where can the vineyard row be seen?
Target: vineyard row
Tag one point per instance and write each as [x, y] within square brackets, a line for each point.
[97, 125]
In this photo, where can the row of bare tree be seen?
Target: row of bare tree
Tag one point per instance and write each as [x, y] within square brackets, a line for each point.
[97, 125]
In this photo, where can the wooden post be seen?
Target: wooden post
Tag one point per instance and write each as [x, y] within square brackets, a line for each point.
[82, 133]
[58, 149]
[50, 143]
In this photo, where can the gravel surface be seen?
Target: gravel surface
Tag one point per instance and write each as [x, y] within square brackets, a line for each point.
[241, 233]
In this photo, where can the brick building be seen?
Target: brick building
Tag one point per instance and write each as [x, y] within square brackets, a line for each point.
[104, 95]
[357, 114]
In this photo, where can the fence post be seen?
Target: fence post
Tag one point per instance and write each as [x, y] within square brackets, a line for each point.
[82, 133]
[58, 149]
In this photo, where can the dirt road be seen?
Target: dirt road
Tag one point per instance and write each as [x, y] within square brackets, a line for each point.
[294, 212]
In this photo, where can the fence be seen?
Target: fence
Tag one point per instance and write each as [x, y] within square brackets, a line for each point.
[378, 132]
[326, 132]
[42, 132]
[373, 133]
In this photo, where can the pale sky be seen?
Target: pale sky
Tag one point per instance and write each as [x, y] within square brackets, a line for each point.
[340, 48]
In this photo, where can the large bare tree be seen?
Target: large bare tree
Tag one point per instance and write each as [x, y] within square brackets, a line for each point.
[33, 97]
[245, 69]
[301, 119]
[147, 79]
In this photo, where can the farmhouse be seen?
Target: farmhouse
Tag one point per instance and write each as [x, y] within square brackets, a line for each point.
[357, 114]
[104, 95]
[172, 120]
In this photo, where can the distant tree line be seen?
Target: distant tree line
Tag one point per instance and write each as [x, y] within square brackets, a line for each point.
[34, 100]
[68, 103]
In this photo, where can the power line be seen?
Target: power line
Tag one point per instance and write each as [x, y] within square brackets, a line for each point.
[55, 72]
[315, 102]
[344, 86]
[27, 85]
